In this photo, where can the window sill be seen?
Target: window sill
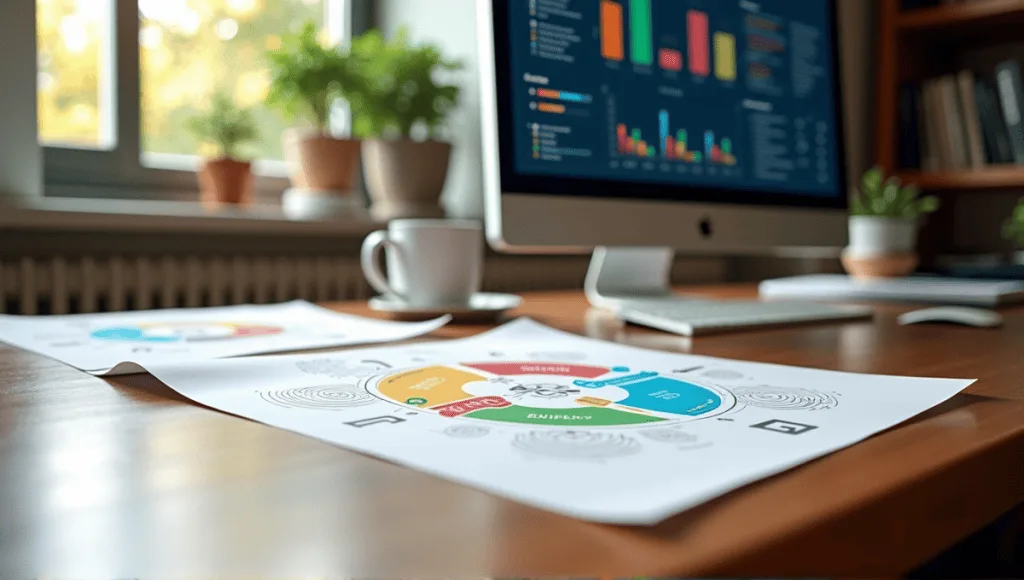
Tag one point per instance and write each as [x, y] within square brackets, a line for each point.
[70, 214]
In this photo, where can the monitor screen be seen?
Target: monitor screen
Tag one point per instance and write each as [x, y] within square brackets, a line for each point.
[715, 100]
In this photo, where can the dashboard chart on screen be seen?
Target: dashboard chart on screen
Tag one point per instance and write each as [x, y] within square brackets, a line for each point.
[732, 94]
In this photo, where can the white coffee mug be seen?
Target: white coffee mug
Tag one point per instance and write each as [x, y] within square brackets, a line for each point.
[430, 263]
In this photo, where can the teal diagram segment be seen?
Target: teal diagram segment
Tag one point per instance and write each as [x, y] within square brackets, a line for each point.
[653, 392]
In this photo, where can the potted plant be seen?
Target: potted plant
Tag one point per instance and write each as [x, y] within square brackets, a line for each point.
[224, 178]
[1013, 229]
[307, 78]
[883, 227]
[400, 97]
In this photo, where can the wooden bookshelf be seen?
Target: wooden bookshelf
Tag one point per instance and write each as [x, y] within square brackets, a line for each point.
[975, 14]
[908, 42]
[925, 43]
[994, 177]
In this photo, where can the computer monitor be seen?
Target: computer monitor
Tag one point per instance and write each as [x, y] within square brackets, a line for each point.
[703, 126]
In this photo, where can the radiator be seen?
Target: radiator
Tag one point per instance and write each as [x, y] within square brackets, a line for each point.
[63, 285]
[88, 284]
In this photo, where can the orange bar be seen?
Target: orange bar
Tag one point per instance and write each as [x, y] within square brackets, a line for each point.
[641, 149]
[551, 108]
[612, 43]
[549, 94]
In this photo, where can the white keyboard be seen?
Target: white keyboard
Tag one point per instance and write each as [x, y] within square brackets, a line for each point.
[694, 317]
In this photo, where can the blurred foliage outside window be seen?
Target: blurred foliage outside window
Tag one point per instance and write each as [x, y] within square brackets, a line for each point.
[189, 50]
[74, 51]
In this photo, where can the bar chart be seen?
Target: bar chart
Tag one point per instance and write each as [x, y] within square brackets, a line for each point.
[675, 144]
[718, 153]
[706, 53]
[631, 142]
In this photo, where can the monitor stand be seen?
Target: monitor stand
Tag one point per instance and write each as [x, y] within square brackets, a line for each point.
[635, 283]
[618, 274]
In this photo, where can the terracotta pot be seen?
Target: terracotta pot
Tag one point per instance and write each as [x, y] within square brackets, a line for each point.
[405, 178]
[881, 248]
[320, 162]
[225, 181]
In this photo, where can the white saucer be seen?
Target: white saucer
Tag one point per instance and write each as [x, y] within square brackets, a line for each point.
[481, 307]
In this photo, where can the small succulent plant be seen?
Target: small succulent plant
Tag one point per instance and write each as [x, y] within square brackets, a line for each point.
[889, 198]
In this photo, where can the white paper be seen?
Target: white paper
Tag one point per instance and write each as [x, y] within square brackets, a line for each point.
[585, 428]
[117, 343]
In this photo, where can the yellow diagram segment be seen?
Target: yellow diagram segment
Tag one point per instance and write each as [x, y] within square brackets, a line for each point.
[428, 387]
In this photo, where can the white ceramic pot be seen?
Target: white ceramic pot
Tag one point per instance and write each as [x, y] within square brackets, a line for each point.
[881, 247]
[877, 236]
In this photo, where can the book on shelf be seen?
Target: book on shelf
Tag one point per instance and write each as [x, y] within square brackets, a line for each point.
[964, 121]
[1011, 97]
[953, 115]
[910, 141]
[997, 139]
[972, 122]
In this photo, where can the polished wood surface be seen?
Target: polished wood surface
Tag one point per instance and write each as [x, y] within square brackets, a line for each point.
[125, 478]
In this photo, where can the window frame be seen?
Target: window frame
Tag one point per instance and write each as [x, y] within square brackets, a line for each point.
[119, 172]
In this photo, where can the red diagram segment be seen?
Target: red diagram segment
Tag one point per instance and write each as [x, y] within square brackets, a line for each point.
[459, 408]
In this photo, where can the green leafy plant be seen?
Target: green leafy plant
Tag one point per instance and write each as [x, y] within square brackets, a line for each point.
[1013, 229]
[225, 126]
[306, 77]
[400, 88]
[881, 197]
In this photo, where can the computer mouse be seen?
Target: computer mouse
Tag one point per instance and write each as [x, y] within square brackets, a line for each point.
[976, 317]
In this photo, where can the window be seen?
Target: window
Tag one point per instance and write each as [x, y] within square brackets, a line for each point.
[74, 73]
[99, 131]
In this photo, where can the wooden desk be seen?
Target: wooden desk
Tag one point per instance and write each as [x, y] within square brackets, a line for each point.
[128, 479]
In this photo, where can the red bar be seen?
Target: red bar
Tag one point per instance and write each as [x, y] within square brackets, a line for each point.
[469, 405]
[700, 47]
[670, 147]
[670, 59]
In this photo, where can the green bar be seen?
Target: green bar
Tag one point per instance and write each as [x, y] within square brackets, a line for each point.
[640, 32]
[681, 136]
[636, 134]
[697, 156]
[727, 145]
[651, 152]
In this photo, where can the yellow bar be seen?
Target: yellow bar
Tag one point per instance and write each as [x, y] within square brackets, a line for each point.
[725, 56]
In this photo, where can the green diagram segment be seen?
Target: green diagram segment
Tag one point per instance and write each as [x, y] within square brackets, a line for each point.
[595, 417]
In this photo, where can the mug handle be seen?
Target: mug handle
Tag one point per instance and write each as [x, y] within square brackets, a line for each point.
[370, 259]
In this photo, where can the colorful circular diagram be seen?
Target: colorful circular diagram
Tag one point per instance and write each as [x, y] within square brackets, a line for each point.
[183, 332]
[551, 394]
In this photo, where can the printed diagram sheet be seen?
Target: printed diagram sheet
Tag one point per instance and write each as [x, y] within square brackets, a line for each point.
[106, 344]
[589, 429]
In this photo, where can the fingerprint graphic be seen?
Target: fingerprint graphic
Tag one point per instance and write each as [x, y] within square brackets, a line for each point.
[785, 398]
[673, 436]
[466, 431]
[326, 397]
[576, 444]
